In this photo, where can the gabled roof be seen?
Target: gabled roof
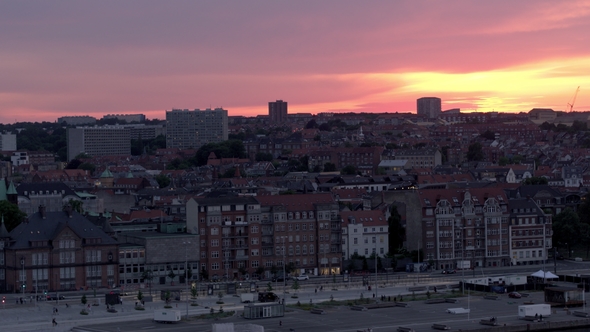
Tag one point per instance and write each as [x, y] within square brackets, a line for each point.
[38, 228]
[303, 202]
[26, 189]
[3, 232]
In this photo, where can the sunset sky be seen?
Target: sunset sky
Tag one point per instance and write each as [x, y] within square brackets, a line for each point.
[102, 57]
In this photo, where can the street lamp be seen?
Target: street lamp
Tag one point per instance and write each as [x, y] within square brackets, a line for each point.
[284, 271]
[376, 286]
[23, 278]
[186, 273]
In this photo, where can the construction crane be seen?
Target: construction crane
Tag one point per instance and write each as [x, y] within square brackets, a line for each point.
[570, 106]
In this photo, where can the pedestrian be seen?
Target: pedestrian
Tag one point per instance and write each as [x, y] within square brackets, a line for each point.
[316, 290]
[435, 289]
[389, 299]
[395, 299]
[56, 311]
[541, 318]
[54, 322]
[280, 323]
[373, 295]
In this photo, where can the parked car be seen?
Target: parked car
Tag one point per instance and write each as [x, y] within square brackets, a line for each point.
[278, 279]
[301, 277]
[514, 295]
[54, 298]
[448, 271]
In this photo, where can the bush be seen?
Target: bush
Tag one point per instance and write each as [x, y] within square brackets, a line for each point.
[83, 312]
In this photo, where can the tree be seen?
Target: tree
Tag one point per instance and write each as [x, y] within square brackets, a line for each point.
[87, 167]
[488, 135]
[295, 285]
[139, 296]
[365, 264]
[566, 228]
[475, 152]
[194, 292]
[397, 232]
[163, 180]
[264, 156]
[348, 170]
[204, 274]
[535, 180]
[329, 167]
[503, 161]
[12, 215]
[74, 164]
[171, 275]
[260, 271]
[311, 124]
[148, 275]
[584, 210]
[76, 205]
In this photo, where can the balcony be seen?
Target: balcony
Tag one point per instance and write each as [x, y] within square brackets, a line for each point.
[241, 257]
[267, 243]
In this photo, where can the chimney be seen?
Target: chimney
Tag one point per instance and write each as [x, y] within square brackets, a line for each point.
[68, 210]
[42, 211]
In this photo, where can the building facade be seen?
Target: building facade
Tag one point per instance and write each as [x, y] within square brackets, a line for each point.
[364, 233]
[56, 251]
[465, 228]
[98, 141]
[191, 129]
[7, 142]
[126, 117]
[429, 107]
[277, 112]
[79, 120]
[530, 232]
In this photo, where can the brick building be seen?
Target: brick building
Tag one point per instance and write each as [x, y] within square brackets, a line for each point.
[57, 251]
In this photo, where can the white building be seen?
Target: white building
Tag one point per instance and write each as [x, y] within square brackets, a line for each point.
[7, 142]
[364, 232]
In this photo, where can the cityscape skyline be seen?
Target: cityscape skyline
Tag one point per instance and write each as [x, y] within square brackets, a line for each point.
[67, 58]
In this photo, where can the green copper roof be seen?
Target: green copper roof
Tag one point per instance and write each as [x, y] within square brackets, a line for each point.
[11, 189]
[106, 174]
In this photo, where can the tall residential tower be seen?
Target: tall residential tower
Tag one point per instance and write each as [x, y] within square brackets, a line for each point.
[191, 129]
[277, 112]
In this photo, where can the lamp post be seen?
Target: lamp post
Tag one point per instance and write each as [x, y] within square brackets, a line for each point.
[23, 278]
[186, 273]
[284, 272]
[375, 237]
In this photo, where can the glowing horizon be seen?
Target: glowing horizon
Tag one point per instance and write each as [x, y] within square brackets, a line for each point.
[334, 56]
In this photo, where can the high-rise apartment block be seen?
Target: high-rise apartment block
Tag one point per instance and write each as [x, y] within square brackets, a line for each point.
[126, 117]
[98, 141]
[191, 129]
[429, 107]
[7, 142]
[277, 111]
[77, 120]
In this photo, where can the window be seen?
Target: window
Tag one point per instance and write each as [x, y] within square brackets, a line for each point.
[214, 231]
[254, 252]
[214, 266]
[254, 240]
[215, 254]
[254, 229]
[215, 243]
[93, 256]
[355, 240]
[254, 264]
